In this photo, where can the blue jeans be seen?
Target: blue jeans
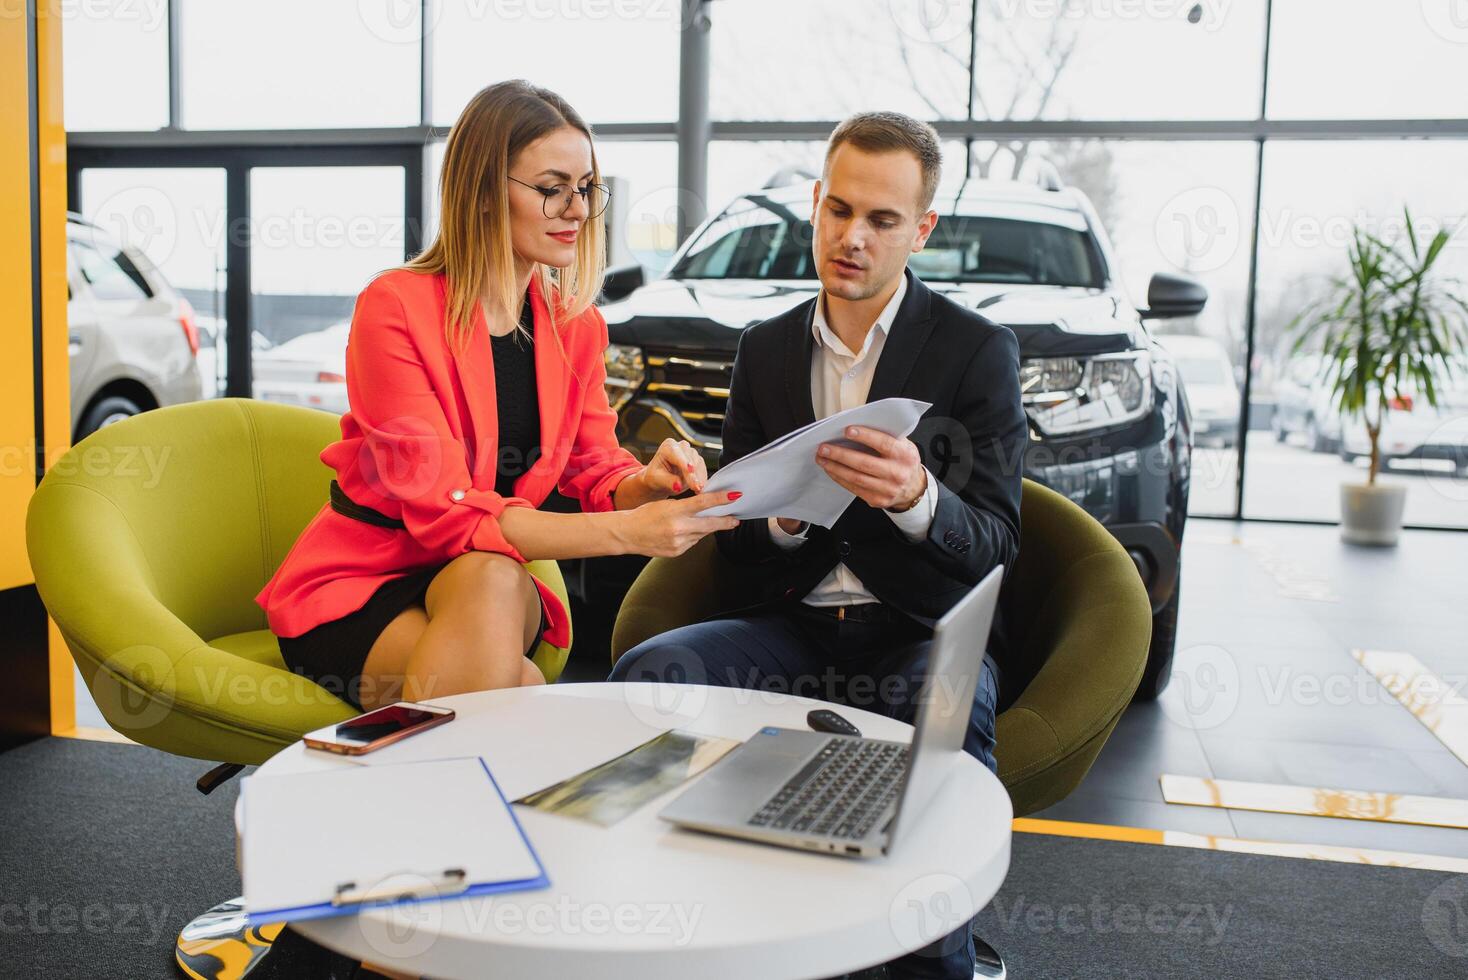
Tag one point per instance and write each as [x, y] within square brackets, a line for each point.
[789, 648]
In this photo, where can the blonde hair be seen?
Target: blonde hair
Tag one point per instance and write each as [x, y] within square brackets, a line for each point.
[472, 247]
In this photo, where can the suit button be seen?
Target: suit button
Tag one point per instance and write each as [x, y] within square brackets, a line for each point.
[457, 495]
[950, 538]
[843, 548]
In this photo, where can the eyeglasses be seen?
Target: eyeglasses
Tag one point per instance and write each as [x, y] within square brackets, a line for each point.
[555, 200]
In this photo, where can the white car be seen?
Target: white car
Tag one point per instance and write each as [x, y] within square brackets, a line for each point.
[132, 338]
[309, 370]
[1304, 405]
[1415, 430]
[1212, 390]
[211, 365]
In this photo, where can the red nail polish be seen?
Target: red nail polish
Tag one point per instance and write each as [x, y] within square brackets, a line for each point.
[734, 495]
[677, 487]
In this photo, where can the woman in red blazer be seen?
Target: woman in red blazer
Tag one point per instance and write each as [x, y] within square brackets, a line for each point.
[411, 581]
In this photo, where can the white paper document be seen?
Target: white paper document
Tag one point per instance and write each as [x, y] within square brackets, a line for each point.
[313, 840]
[783, 479]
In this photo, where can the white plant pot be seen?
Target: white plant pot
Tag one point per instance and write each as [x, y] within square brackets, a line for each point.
[1372, 515]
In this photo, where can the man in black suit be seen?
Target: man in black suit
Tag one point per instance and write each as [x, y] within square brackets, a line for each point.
[847, 613]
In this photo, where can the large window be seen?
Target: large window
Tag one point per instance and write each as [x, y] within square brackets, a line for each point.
[1369, 59]
[115, 65]
[318, 235]
[615, 62]
[1315, 194]
[1152, 109]
[332, 63]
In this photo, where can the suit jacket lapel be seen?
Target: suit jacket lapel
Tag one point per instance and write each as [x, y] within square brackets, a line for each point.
[799, 343]
[905, 340]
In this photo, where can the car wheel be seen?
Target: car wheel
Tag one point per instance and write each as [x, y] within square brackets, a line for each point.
[1164, 642]
[113, 408]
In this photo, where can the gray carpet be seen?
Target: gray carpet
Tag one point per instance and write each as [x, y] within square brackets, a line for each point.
[106, 850]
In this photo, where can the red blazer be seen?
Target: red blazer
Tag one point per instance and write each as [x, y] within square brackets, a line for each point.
[420, 443]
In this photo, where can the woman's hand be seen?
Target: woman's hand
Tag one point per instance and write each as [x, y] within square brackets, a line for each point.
[667, 528]
[675, 467]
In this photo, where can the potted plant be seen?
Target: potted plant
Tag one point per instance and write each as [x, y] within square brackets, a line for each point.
[1389, 331]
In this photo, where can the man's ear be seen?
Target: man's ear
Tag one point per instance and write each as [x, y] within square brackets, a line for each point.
[815, 200]
[925, 227]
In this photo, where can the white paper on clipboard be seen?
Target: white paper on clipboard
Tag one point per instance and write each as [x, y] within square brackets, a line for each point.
[325, 843]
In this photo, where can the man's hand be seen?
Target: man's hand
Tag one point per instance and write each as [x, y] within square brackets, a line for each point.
[891, 477]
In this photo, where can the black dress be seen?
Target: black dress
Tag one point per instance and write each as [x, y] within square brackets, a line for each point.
[332, 653]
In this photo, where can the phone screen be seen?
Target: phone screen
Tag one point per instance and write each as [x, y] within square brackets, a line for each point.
[384, 721]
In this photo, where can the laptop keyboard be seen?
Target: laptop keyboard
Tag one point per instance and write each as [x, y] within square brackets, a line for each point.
[842, 792]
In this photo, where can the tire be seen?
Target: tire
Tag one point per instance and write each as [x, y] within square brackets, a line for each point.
[111, 409]
[1164, 643]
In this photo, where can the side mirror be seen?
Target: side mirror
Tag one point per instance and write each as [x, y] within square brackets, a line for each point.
[619, 282]
[1171, 296]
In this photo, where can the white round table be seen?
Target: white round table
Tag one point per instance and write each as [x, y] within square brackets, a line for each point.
[644, 899]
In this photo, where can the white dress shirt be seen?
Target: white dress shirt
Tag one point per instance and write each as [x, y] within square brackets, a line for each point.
[840, 380]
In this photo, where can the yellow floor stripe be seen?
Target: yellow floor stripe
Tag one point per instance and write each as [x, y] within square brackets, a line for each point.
[1207, 842]
[1350, 804]
[93, 734]
[1433, 701]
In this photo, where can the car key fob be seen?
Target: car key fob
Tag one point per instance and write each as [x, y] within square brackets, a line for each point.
[825, 720]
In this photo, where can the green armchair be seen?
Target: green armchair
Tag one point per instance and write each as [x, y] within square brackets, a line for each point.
[149, 541]
[1075, 609]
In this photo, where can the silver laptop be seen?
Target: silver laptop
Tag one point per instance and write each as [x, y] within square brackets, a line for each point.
[842, 794]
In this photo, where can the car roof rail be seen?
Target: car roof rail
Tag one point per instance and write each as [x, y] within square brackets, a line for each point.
[1042, 173]
[786, 176]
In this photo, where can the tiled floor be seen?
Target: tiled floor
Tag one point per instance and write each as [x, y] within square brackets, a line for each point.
[1265, 688]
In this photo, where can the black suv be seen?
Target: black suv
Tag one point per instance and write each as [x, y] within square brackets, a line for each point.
[1109, 423]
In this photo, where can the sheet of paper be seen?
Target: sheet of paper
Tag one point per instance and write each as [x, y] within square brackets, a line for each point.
[304, 834]
[611, 791]
[783, 478]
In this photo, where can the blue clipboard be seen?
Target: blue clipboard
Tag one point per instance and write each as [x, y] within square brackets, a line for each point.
[427, 885]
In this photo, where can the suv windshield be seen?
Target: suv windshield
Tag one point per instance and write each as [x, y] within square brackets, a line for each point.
[757, 238]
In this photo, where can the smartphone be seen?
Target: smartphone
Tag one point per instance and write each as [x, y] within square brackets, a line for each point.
[371, 731]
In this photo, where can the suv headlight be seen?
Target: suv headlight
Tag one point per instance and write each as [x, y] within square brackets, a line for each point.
[625, 373]
[1066, 395]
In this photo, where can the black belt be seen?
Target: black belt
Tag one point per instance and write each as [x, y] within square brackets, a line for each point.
[345, 506]
[861, 612]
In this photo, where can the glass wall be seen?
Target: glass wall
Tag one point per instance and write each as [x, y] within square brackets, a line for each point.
[318, 235]
[1156, 111]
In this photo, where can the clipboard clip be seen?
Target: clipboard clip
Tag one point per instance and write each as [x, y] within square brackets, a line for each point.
[450, 882]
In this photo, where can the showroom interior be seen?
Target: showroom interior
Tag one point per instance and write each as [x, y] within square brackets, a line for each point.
[1269, 195]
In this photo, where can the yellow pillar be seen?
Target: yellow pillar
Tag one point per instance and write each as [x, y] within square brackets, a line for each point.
[35, 397]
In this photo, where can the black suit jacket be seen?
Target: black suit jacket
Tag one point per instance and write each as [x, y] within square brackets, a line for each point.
[972, 441]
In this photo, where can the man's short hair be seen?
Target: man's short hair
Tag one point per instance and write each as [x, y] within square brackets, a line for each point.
[878, 132]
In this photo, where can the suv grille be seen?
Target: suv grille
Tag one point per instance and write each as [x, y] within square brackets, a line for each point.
[694, 385]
